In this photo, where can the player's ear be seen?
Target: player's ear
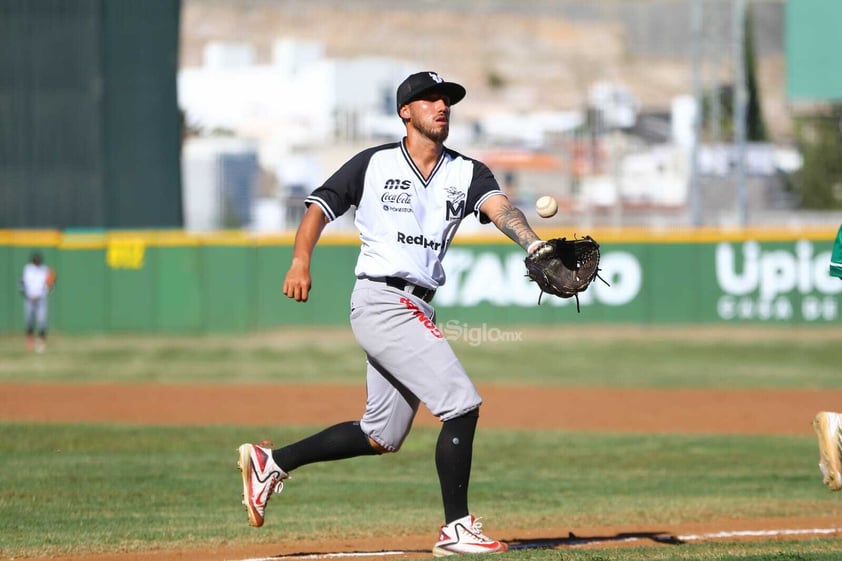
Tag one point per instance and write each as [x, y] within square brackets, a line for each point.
[403, 113]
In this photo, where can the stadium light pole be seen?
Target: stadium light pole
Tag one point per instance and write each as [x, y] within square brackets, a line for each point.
[714, 45]
[740, 104]
[696, 19]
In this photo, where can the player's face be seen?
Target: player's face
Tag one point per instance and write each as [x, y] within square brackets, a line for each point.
[430, 116]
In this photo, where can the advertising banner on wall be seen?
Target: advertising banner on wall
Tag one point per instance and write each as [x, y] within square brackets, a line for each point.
[179, 282]
[725, 281]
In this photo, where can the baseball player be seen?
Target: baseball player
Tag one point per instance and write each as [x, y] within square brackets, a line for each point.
[410, 197]
[36, 282]
[828, 428]
[828, 424]
[836, 256]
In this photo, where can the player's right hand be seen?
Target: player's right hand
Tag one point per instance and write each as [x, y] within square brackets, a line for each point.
[297, 282]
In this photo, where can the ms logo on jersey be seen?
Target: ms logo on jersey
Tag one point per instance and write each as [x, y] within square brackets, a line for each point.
[397, 184]
[455, 206]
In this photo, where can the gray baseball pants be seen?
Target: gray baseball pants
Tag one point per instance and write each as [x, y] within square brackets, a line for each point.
[35, 314]
[408, 362]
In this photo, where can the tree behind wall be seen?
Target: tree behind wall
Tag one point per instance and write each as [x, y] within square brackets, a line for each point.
[819, 182]
[755, 123]
[723, 95]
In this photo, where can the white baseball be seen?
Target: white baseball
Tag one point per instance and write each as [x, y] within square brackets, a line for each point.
[546, 206]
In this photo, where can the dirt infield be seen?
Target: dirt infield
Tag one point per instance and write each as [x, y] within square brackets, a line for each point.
[610, 410]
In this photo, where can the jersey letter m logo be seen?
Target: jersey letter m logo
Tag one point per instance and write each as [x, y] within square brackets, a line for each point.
[455, 209]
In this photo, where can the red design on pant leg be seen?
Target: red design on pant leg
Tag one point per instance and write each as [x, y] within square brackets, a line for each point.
[422, 317]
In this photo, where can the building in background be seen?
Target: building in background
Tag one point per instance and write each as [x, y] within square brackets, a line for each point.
[221, 178]
[289, 110]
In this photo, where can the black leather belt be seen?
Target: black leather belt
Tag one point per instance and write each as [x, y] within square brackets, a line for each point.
[425, 294]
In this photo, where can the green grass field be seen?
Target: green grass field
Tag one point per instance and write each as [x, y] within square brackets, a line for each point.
[632, 356]
[79, 488]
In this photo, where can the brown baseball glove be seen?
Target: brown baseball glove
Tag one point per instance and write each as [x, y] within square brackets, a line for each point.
[564, 267]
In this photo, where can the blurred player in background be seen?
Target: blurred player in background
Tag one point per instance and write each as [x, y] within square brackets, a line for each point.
[36, 283]
[836, 256]
[828, 424]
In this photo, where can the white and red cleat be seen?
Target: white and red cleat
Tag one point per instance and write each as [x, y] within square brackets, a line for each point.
[464, 536]
[261, 478]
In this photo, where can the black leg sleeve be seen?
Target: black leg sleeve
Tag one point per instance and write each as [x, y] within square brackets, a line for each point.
[454, 451]
[344, 440]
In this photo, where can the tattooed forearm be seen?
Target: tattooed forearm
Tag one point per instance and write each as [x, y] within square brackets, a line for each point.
[511, 221]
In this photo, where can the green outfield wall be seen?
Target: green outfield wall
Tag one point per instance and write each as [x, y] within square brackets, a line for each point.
[174, 282]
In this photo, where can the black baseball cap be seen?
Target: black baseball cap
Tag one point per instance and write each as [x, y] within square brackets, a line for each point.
[416, 85]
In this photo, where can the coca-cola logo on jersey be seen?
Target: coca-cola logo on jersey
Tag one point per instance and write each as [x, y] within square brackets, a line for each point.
[396, 201]
[399, 198]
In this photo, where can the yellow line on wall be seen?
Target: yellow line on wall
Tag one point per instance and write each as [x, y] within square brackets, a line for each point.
[181, 238]
[40, 238]
[669, 235]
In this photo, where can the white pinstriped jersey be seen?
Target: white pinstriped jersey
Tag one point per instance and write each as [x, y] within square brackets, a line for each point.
[406, 222]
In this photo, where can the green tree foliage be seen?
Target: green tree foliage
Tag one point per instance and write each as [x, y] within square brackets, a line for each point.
[819, 182]
[723, 94]
[755, 124]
